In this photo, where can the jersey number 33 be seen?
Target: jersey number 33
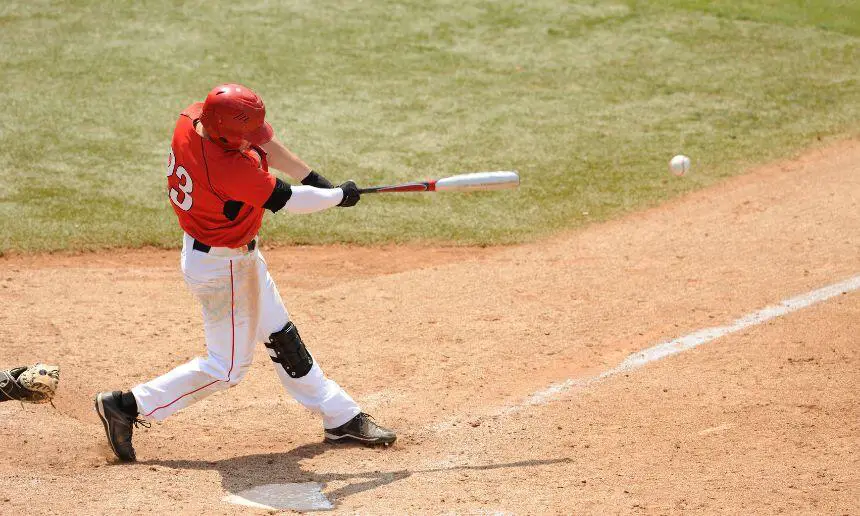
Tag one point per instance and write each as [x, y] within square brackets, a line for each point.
[182, 186]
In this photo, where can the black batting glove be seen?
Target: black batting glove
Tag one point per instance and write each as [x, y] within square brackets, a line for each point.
[351, 194]
[317, 180]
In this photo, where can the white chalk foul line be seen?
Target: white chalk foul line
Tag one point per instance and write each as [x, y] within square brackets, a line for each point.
[687, 342]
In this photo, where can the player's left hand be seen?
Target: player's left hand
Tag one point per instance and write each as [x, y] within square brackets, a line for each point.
[34, 384]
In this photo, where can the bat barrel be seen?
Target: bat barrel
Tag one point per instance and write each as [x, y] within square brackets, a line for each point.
[479, 181]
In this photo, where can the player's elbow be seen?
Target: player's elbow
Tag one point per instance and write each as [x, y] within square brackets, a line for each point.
[280, 196]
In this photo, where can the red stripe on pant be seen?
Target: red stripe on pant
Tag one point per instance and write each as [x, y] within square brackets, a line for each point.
[232, 350]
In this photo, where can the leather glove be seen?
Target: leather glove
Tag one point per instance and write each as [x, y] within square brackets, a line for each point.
[351, 194]
[31, 384]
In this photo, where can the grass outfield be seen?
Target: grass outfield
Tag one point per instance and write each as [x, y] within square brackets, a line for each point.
[588, 101]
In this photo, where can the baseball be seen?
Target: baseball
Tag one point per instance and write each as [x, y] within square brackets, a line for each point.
[679, 165]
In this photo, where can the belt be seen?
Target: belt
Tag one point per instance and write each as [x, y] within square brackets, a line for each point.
[203, 248]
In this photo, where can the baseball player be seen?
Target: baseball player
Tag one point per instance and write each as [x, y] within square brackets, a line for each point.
[219, 186]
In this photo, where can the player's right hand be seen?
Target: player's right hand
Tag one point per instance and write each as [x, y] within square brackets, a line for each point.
[351, 194]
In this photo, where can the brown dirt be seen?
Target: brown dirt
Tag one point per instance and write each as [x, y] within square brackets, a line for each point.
[434, 341]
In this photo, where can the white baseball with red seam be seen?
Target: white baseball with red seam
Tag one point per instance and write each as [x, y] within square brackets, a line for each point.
[679, 165]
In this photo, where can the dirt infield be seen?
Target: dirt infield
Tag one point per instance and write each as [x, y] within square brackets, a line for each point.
[437, 343]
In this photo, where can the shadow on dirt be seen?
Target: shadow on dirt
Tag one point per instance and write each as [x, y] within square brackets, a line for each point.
[240, 473]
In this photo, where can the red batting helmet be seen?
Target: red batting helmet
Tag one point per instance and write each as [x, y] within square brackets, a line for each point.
[232, 113]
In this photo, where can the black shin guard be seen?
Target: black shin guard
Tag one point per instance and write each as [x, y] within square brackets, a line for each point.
[286, 348]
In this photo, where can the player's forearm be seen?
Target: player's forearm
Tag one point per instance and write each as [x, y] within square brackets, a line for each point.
[308, 199]
[281, 158]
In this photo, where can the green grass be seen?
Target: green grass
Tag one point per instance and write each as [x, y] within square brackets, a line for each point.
[588, 101]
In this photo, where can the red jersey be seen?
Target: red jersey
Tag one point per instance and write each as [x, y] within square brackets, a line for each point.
[202, 177]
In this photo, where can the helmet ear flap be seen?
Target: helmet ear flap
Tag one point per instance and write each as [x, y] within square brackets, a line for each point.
[212, 122]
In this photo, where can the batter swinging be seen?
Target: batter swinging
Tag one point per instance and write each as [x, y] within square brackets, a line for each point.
[219, 186]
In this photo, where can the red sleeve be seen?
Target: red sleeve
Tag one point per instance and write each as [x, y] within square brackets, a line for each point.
[245, 179]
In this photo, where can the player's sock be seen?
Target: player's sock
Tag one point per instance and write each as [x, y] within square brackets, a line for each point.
[128, 404]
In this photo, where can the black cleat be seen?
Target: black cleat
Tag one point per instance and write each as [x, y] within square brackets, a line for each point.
[361, 429]
[118, 424]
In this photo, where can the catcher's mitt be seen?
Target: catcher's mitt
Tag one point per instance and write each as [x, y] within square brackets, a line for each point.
[34, 384]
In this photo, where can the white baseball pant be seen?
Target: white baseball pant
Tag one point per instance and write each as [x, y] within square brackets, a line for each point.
[241, 307]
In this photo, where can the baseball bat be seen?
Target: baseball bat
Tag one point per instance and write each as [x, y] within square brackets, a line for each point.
[460, 183]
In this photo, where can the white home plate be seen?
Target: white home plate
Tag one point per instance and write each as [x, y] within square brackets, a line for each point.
[306, 496]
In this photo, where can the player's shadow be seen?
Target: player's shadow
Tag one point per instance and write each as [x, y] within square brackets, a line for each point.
[240, 473]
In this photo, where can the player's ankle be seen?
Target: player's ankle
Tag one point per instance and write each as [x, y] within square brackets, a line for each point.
[128, 404]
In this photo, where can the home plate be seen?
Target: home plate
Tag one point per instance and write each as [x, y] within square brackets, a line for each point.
[306, 496]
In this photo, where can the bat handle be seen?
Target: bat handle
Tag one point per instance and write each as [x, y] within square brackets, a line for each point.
[427, 186]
